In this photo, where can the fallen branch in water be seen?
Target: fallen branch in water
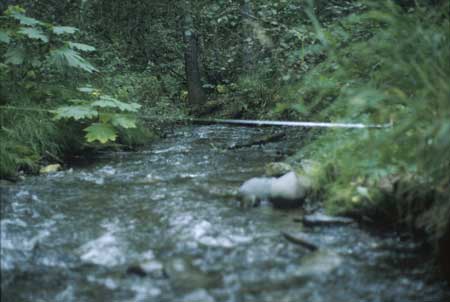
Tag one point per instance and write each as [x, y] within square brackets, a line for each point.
[260, 141]
[300, 239]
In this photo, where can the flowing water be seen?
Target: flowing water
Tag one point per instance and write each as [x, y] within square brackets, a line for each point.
[163, 225]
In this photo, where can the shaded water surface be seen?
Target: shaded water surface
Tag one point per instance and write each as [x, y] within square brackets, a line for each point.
[163, 225]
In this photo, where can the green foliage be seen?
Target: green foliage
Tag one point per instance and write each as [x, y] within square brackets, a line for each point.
[33, 33]
[80, 46]
[159, 96]
[104, 113]
[18, 13]
[27, 138]
[124, 121]
[106, 101]
[100, 132]
[4, 37]
[66, 56]
[37, 45]
[15, 56]
[399, 72]
[77, 112]
[36, 75]
[62, 30]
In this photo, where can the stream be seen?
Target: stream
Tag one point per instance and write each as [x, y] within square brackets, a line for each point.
[162, 224]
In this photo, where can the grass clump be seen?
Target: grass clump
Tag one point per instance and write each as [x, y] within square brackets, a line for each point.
[31, 138]
[399, 73]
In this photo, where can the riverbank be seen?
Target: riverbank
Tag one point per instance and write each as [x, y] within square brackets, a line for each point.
[55, 104]
[32, 140]
[396, 177]
[392, 67]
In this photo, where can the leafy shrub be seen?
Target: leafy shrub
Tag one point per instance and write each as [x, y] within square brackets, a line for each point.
[400, 74]
[40, 70]
[103, 114]
[33, 45]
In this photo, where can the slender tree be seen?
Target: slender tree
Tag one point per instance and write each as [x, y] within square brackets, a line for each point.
[196, 95]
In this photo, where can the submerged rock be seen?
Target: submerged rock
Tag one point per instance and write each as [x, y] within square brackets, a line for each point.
[184, 275]
[319, 219]
[136, 270]
[443, 250]
[286, 191]
[5, 183]
[151, 268]
[320, 263]
[199, 295]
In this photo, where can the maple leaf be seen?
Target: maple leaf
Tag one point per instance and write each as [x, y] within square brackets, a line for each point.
[100, 132]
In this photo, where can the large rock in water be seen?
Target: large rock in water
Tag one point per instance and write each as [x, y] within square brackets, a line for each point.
[255, 190]
[286, 191]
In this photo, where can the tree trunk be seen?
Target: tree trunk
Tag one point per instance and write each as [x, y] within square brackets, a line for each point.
[319, 6]
[196, 95]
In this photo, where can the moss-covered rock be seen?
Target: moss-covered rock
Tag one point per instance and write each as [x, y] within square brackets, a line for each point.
[277, 169]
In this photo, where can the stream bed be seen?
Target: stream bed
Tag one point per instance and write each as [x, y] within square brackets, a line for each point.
[162, 224]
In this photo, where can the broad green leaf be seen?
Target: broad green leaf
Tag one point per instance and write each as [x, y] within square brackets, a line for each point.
[81, 46]
[110, 102]
[100, 132]
[61, 30]
[77, 112]
[33, 33]
[15, 56]
[24, 20]
[105, 117]
[124, 121]
[66, 56]
[4, 37]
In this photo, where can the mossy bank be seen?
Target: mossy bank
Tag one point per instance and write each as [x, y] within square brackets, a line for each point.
[393, 69]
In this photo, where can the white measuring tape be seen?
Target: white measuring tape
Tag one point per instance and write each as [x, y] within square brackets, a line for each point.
[291, 124]
[251, 122]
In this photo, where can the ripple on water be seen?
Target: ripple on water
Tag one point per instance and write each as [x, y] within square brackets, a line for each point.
[171, 212]
[107, 170]
[106, 250]
[198, 295]
[92, 178]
